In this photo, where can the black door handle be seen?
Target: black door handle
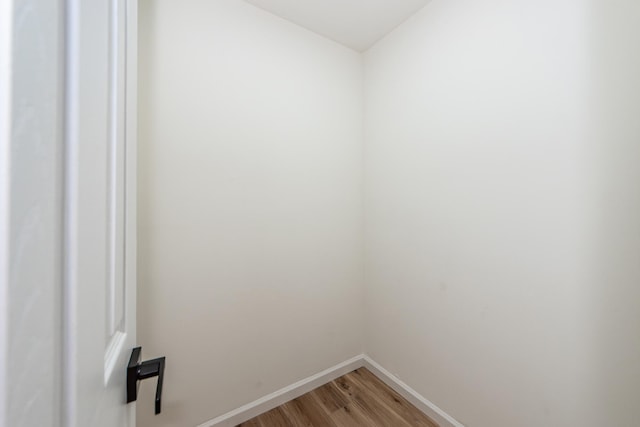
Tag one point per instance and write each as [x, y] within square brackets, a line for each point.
[137, 371]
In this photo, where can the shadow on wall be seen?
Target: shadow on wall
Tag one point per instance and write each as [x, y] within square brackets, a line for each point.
[615, 304]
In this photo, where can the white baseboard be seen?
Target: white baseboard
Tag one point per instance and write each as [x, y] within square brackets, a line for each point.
[420, 402]
[275, 399]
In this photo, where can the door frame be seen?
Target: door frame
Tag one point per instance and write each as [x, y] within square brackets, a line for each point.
[31, 142]
[6, 11]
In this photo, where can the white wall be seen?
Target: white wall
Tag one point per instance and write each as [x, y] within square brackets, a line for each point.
[503, 210]
[250, 268]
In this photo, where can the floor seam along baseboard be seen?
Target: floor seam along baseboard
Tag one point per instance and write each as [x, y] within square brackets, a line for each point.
[279, 397]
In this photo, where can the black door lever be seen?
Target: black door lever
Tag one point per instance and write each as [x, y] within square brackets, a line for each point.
[137, 371]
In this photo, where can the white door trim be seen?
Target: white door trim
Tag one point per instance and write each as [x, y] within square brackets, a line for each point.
[6, 11]
[31, 69]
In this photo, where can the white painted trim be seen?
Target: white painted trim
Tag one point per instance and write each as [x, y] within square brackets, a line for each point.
[70, 266]
[275, 399]
[270, 401]
[131, 179]
[419, 401]
[6, 28]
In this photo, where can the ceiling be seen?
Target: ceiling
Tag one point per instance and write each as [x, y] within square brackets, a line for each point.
[357, 24]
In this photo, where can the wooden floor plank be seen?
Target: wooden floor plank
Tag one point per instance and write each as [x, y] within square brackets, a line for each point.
[330, 398]
[391, 398]
[274, 418]
[352, 416]
[356, 399]
[251, 423]
[296, 413]
[369, 403]
[314, 411]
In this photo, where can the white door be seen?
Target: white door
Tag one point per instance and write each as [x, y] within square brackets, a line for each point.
[100, 212]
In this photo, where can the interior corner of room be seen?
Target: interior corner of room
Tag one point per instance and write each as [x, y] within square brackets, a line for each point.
[431, 203]
[493, 210]
[484, 207]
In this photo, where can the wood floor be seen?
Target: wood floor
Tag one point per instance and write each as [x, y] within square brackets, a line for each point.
[356, 399]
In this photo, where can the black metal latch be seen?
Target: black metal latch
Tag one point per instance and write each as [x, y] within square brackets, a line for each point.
[137, 371]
